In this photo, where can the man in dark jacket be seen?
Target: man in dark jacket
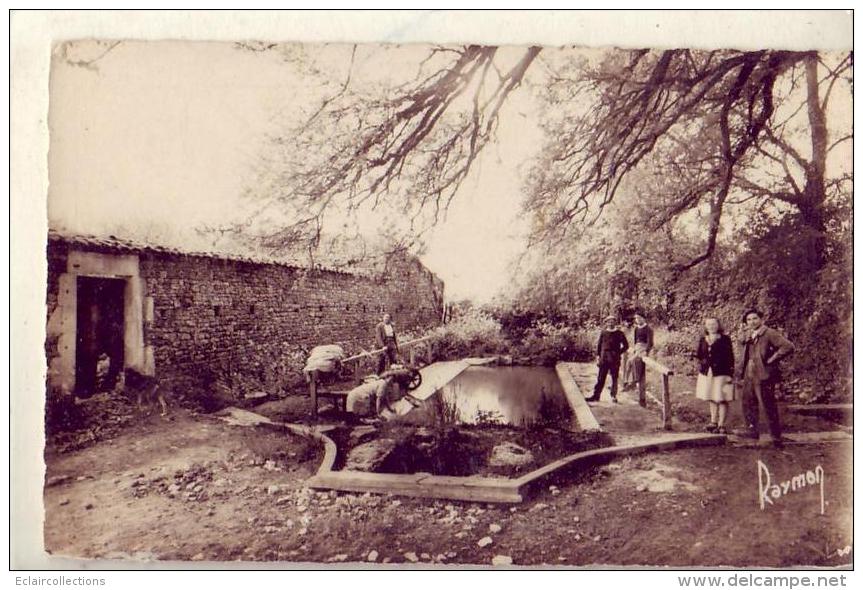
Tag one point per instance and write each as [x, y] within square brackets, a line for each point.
[762, 349]
[609, 348]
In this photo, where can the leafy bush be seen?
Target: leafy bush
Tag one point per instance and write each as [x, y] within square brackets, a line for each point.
[474, 333]
[547, 343]
[675, 348]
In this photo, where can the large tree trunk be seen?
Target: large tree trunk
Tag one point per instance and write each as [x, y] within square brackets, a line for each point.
[812, 205]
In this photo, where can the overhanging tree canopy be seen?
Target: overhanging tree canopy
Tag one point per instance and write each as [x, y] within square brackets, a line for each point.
[705, 129]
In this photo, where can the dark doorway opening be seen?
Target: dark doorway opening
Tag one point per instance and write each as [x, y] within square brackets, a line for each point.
[100, 329]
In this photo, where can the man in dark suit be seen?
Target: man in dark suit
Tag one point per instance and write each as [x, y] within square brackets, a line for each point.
[609, 348]
[762, 349]
[385, 336]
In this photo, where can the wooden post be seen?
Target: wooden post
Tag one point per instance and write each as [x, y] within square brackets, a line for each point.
[642, 387]
[666, 389]
[666, 403]
[313, 391]
[413, 356]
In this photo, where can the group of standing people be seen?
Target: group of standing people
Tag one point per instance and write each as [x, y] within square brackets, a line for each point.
[610, 348]
[760, 350]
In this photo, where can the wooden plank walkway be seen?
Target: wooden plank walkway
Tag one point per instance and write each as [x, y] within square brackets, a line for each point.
[795, 438]
[492, 489]
[583, 415]
[420, 485]
[488, 489]
[626, 417]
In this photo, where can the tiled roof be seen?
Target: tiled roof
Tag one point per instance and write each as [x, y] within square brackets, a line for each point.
[125, 245]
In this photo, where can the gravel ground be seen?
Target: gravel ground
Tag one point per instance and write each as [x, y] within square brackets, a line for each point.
[195, 488]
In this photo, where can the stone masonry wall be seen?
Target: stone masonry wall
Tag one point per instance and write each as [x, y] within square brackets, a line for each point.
[213, 313]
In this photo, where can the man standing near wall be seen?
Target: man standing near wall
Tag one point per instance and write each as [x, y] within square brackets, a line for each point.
[385, 336]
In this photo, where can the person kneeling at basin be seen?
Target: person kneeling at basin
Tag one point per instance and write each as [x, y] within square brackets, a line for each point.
[369, 398]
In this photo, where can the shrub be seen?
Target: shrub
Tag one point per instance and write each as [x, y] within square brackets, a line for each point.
[546, 343]
[474, 333]
[674, 348]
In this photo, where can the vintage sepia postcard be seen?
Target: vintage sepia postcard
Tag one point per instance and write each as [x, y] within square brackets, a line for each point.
[448, 302]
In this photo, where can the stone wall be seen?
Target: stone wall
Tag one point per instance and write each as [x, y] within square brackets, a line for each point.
[228, 314]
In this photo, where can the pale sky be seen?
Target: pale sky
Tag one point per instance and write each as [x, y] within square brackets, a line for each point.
[156, 138]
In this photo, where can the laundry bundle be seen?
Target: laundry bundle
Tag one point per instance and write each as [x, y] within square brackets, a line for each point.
[324, 359]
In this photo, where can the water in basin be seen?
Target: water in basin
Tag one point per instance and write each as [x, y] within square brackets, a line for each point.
[518, 396]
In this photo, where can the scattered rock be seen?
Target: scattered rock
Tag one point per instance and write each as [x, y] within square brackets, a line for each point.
[540, 506]
[362, 432]
[238, 417]
[460, 535]
[509, 454]
[370, 455]
[57, 480]
[484, 542]
[412, 557]
[88, 506]
[494, 528]
[501, 560]
[372, 556]
[64, 501]
[576, 519]
[339, 557]
[451, 554]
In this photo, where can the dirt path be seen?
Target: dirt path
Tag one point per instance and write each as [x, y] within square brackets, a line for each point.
[209, 491]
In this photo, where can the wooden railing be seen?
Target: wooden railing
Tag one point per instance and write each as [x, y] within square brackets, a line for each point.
[402, 345]
[665, 402]
[316, 392]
